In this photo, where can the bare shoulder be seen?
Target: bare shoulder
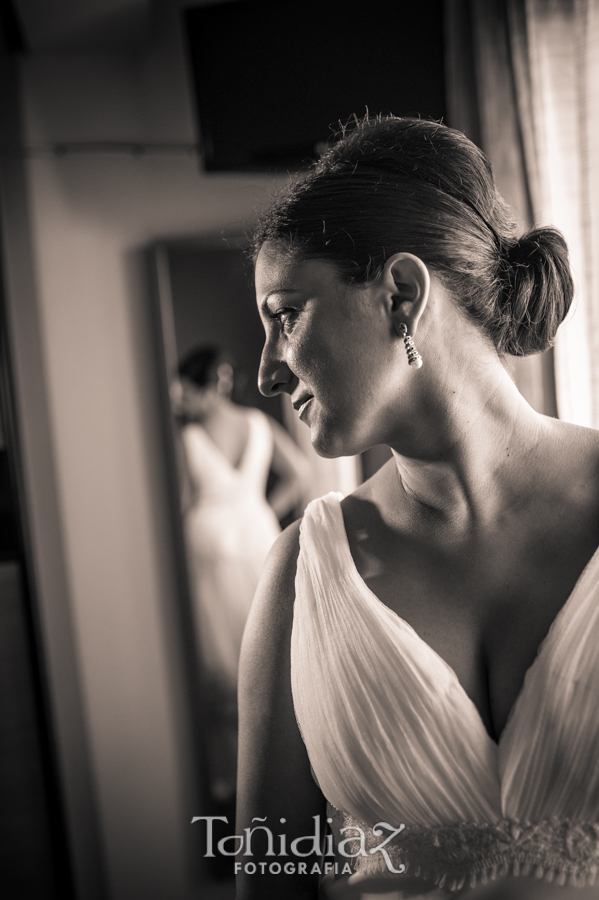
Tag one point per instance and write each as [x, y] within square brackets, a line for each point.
[281, 564]
[271, 613]
[274, 778]
[285, 550]
[562, 479]
[579, 434]
[574, 452]
[264, 666]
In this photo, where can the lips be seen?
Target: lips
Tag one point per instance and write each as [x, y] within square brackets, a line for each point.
[301, 401]
[304, 407]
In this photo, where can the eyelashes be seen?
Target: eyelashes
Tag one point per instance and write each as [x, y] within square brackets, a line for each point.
[286, 317]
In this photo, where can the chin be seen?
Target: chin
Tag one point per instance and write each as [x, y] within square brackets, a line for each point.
[328, 453]
[331, 444]
[326, 445]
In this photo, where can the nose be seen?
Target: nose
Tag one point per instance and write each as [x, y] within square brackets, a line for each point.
[275, 376]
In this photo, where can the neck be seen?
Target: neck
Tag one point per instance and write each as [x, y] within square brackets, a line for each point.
[469, 447]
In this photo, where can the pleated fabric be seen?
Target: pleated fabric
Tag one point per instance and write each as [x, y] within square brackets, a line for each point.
[392, 735]
[549, 751]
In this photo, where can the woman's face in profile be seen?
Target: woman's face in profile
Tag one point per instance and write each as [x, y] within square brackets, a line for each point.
[329, 345]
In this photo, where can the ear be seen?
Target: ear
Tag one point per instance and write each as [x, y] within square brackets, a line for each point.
[406, 283]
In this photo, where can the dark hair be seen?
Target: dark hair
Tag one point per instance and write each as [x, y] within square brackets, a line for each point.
[200, 364]
[393, 184]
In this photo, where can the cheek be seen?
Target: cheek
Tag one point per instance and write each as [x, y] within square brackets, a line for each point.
[307, 354]
[332, 356]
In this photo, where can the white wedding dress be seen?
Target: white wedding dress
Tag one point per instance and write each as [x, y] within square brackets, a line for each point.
[230, 530]
[393, 738]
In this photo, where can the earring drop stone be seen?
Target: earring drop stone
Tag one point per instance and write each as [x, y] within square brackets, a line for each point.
[414, 358]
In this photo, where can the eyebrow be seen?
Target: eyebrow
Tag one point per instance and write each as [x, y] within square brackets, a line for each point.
[264, 304]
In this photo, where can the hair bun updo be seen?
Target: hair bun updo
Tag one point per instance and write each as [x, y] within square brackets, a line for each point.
[414, 185]
[536, 294]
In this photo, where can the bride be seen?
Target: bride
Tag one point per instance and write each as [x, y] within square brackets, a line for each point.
[420, 661]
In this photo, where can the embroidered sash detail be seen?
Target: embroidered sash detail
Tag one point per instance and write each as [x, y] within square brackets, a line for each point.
[451, 856]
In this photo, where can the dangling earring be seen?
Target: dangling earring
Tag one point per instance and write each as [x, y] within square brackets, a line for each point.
[414, 358]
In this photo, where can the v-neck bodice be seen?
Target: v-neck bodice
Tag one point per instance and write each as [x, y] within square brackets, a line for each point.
[215, 476]
[545, 646]
[392, 735]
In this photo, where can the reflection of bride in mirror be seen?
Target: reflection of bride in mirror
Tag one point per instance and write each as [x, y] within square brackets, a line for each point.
[230, 527]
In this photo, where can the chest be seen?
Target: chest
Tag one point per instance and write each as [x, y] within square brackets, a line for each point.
[484, 608]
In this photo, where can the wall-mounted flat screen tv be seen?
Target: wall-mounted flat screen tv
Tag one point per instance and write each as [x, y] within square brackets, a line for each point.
[273, 78]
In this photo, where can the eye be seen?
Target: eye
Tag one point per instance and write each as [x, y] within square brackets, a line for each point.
[286, 317]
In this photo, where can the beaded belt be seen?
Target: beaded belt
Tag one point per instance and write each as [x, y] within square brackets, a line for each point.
[469, 853]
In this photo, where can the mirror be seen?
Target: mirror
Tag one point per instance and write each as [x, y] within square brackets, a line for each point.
[245, 469]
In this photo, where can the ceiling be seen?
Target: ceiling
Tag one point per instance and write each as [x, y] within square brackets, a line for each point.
[82, 25]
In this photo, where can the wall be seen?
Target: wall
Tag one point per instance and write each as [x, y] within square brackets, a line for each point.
[91, 215]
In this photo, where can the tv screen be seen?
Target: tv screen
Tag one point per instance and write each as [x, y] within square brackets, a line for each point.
[274, 78]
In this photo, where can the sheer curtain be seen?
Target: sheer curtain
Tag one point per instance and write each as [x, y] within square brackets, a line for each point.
[555, 46]
[523, 79]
